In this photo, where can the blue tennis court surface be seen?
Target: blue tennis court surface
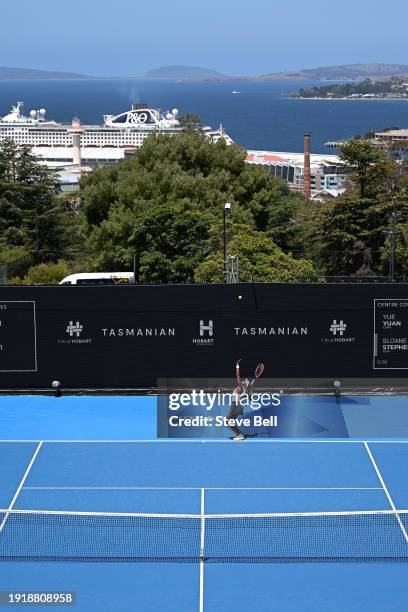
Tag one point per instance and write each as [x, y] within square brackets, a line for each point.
[169, 478]
[45, 464]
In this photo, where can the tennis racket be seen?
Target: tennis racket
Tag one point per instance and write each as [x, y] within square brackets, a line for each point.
[259, 370]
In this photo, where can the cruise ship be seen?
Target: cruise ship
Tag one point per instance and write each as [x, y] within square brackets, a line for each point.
[106, 143]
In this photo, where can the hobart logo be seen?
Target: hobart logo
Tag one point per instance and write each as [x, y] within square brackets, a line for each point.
[76, 329]
[339, 327]
[206, 334]
[207, 328]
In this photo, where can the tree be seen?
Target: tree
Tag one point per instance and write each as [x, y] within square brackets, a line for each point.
[166, 203]
[45, 274]
[259, 260]
[190, 122]
[187, 168]
[342, 235]
[30, 214]
[350, 233]
[168, 242]
[401, 251]
[367, 166]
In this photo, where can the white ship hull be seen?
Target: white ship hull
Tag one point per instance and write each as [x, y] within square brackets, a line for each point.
[124, 132]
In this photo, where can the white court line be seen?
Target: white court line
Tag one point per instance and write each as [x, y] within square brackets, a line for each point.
[113, 488]
[173, 441]
[13, 501]
[33, 512]
[202, 540]
[384, 486]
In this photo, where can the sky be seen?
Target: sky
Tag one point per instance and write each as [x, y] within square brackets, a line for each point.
[236, 37]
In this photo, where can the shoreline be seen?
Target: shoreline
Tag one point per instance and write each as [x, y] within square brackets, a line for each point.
[351, 99]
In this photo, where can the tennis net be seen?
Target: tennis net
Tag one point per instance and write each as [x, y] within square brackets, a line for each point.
[369, 536]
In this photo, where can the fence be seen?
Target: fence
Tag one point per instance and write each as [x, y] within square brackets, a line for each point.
[128, 337]
[16, 268]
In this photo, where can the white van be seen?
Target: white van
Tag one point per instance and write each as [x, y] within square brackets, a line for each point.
[99, 278]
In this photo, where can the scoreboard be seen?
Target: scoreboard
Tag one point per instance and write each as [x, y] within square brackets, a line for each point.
[391, 334]
[18, 342]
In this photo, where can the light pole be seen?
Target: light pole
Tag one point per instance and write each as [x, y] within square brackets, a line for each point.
[227, 210]
[36, 225]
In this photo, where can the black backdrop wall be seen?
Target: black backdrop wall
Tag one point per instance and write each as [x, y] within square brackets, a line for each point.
[128, 337]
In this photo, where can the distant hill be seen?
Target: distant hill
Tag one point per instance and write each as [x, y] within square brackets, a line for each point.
[28, 73]
[340, 73]
[184, 72]
[348, 72]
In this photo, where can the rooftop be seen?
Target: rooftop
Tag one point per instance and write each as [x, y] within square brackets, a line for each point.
[392, 133]
[270, 157]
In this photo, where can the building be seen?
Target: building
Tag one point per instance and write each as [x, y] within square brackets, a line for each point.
[90, 156]
[391, 136]
[67, 179]
[326, 171]
[327, 194]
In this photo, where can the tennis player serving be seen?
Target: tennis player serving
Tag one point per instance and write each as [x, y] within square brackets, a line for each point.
[243, 387]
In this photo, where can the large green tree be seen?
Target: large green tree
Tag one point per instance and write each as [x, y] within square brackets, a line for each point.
[259, 259]
[342, 236]
[168, 242]
[188, 168]
[351, 234]
[165, 205]
[30, 214]
[367, 166]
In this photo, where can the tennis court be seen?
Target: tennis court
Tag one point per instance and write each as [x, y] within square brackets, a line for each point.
[212, 478]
